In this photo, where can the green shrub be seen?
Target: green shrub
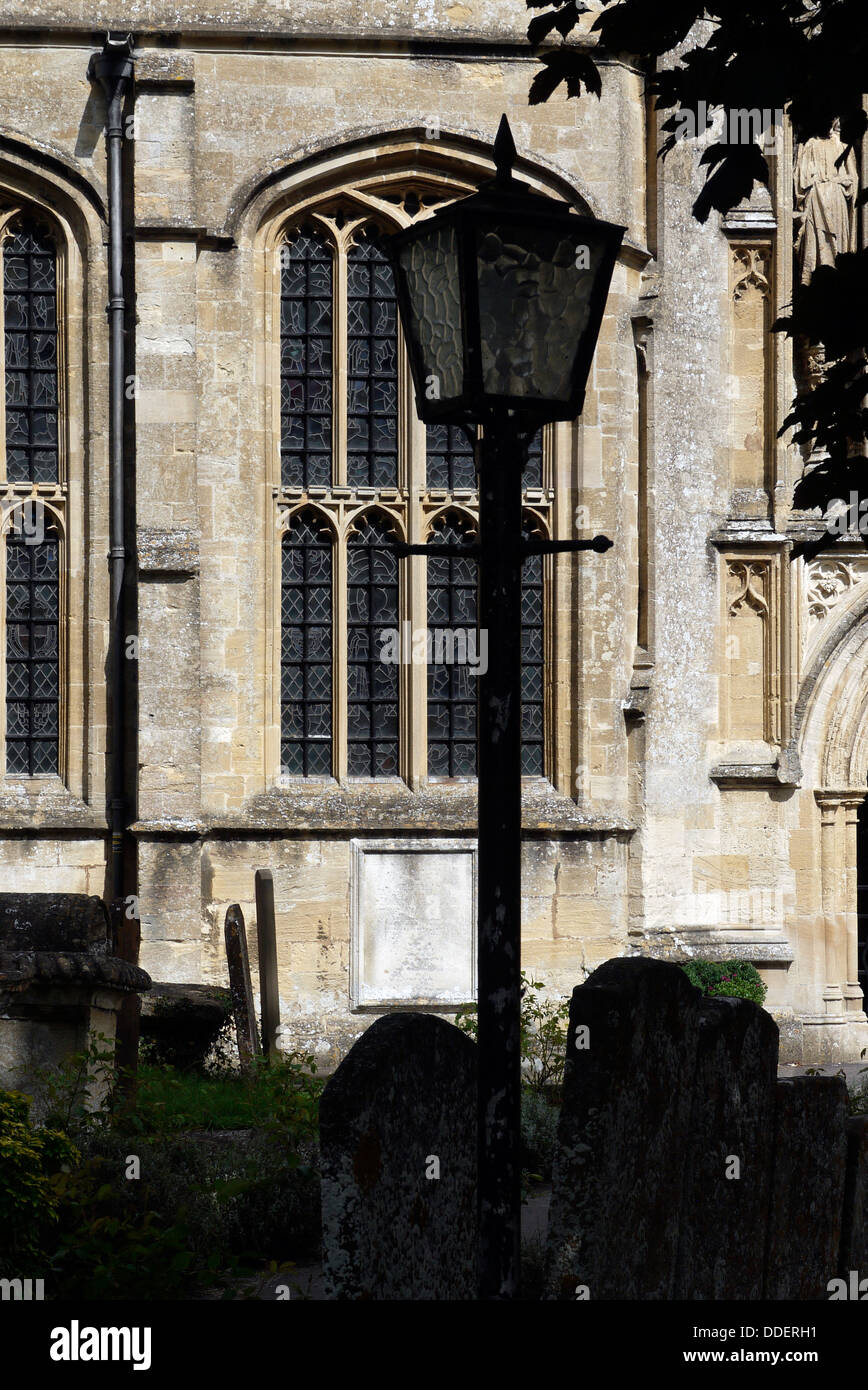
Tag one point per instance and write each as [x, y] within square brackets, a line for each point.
[227, 1181]
[111, 1243]
[205, 1209]
[736, 978]
[284, 1093]
[64, 1090]
[29, 1202]
[539, 1128]
[544, 1024]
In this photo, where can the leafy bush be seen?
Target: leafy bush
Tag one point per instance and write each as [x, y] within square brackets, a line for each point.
[228, 1180]
[205, 1208]
[284, 1092]
[736, 978]
[539, 1128]
[544, 1024]
[66, 1090]
[112, 1244]
[29, 1201]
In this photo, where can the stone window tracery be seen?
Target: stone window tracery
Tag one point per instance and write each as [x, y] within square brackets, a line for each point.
[358, 470]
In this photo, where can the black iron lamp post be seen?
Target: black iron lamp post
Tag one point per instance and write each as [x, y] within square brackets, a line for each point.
[501, 297]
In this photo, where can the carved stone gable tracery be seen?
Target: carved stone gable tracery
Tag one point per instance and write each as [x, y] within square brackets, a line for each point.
[747, 583]
[750, 270]
[829, 581]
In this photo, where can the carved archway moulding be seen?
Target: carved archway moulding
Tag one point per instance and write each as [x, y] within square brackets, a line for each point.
[355, 156]
[831, 715]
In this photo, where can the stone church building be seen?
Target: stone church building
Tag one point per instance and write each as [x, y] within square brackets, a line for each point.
[695, 703]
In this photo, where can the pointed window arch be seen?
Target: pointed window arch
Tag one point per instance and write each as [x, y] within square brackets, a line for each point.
[350, 444]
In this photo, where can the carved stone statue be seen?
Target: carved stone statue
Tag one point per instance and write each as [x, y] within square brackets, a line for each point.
[825, 201]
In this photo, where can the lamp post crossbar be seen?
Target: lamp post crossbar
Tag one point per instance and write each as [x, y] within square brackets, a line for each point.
[600, 544]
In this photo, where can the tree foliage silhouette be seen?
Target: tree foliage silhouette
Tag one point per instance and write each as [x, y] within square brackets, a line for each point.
[807, 58]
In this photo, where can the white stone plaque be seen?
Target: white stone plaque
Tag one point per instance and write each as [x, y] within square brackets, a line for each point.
[413, 919]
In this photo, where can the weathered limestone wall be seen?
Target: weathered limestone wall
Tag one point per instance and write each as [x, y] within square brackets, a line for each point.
[706, 765]
[574, 891]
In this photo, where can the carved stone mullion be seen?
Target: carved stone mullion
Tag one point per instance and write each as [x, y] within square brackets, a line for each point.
[832, 889]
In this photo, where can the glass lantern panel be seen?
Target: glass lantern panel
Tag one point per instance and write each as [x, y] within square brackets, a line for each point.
[535, 286]
[430, 265]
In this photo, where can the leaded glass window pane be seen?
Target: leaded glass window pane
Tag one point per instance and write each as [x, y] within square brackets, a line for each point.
[372, 625]
[449, 457]
[452, 684]
[533, 471]
[532, 649]
[372, 365]
[32, 657]
[306, 361]
[30, 323]
[306, 649]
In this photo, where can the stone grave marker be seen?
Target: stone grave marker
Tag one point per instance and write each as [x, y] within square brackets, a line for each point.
[619, 1169]
[807, 1198]
[398, 1159]
[729, 1151]
[854, 1232]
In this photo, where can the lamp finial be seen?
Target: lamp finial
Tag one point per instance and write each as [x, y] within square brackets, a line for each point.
[504, 151]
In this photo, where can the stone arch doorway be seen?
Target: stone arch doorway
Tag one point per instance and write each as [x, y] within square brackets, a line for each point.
[862, 895]
[831, 736]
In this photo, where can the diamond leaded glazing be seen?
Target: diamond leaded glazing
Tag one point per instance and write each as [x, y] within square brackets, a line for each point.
[306, 649]
[532, 661]
[372, 365]
[306, 360]
[372, 621]
[30, 331]
[452, 684]
[32, 657]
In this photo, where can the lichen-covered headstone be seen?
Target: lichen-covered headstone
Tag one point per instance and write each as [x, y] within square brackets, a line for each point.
[854, 1231]
[662, 1172]
[398, 1159]
[807, 1198]
[728, 1150]
[622, 1139]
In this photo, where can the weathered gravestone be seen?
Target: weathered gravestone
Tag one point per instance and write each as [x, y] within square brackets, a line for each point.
[60, 988]
[728, 1152]
[620, 1159]
[246, 1032]
[665, 1089]
[398, 1157]
[854, 1226]
[807, 1199]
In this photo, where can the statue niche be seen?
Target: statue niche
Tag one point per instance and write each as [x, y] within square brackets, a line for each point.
[826, 183]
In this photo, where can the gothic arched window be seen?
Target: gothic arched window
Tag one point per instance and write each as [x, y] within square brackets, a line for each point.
[356, 463]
